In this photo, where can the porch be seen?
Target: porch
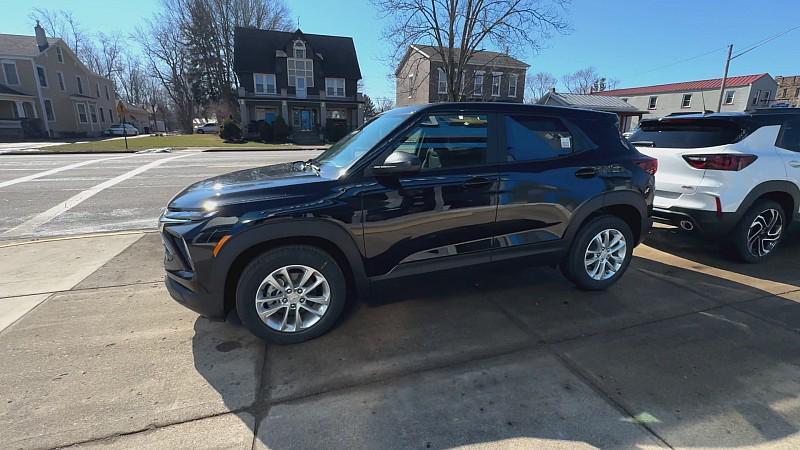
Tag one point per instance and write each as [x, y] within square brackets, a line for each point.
[309, 120]
[19, 117]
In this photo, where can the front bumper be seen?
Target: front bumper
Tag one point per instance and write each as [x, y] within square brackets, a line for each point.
[205, 304]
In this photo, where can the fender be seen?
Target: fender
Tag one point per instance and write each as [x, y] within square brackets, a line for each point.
[279, 229]
[594, 204]
[772, 186]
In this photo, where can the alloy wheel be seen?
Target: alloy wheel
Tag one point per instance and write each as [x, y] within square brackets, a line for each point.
[605, 254]
[764, 232]
[293, 298]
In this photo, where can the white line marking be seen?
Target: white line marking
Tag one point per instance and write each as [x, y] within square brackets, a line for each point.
[56, 170]
[31, 224]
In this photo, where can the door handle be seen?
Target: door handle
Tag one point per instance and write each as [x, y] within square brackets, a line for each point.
[587, 172]
[795, 164]
[477, 182]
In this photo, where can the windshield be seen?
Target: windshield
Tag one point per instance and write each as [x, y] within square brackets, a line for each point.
[352, 147]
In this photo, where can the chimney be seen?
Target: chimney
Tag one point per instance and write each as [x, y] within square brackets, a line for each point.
[41, 39]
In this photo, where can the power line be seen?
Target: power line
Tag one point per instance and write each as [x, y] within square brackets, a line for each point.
[764, 41]
[679, 61]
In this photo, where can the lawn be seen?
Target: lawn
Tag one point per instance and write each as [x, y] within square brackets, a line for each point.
[171, 141]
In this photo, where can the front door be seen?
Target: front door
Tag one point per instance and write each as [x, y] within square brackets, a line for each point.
[447, 210]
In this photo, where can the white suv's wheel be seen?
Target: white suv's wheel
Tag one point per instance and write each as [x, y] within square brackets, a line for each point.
[759, 232]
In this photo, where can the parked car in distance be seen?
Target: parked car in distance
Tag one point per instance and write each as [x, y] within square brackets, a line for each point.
[734, 177]
[417, 189]
[210, 127]
[119, 129]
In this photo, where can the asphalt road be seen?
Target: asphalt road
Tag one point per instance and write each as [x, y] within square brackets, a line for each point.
[56, 195]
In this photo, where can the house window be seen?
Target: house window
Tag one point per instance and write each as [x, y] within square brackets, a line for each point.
[10, 71]
[60, 55]
[110, 115]
[264, 83]
[512, 84]
[48, 110]
[97, 89]
[61, 84]
[82, 116]
[107, 96]
[785, 92]
[93, 113]
[300, 68]
[477, 88]
[797, 92]
[651, 104]
[42, 75]
[334, 87]
[441, 82]
[299, 50]
[765, 97]
[687, 101]
[496, 79]
[80, 85]
[755, 97]
[102, 115]
[729, 97]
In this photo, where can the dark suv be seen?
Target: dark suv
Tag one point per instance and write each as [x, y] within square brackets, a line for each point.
[416, 189]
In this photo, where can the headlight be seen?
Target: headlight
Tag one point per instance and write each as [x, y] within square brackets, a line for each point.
[172, 216]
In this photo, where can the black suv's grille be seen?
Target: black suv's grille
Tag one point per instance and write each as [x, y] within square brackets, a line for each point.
[176, 257]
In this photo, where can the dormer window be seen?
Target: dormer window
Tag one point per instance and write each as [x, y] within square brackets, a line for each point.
[300, 68]
[299, 50]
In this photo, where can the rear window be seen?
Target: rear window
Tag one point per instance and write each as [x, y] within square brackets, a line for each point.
[687, 134]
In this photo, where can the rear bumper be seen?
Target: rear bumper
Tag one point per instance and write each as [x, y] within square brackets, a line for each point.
[709, 223]
[205, 304]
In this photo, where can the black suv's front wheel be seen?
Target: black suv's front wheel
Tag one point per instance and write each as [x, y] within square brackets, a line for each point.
[600, 253]
[291, 294]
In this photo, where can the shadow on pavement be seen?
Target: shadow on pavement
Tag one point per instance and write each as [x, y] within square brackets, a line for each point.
[516, 356]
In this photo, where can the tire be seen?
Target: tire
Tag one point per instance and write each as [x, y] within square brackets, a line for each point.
[281, 310]
[574, 267]
[758, 219]
[200, 132]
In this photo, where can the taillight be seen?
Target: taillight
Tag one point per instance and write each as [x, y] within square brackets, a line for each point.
[649, 165]
[720, 161]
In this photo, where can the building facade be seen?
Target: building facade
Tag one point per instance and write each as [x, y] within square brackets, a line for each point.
[46, 91]
[489, 76]
[788, 93]
[309, 80]
[742, 93]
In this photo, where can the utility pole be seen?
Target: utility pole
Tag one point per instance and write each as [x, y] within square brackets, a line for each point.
[724, 78]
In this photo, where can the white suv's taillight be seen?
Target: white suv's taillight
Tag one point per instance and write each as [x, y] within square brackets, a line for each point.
[720, 161]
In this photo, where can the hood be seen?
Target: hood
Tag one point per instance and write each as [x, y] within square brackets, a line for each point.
[256, 184]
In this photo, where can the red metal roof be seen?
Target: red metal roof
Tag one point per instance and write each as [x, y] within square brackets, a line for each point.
[744, 80]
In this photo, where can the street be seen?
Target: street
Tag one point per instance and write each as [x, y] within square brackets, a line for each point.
[56, 195]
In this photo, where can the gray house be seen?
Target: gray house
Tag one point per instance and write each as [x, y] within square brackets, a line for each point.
[626, 112]
[308, 79]
[489, 76]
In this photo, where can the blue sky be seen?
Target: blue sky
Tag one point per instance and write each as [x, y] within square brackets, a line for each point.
[627, 40]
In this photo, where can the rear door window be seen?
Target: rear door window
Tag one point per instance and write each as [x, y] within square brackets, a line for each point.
[536, 138]
[687, 134]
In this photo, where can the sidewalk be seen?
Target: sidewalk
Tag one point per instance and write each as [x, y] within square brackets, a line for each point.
[680, 353]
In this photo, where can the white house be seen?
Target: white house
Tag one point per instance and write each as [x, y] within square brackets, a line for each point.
[742, 93]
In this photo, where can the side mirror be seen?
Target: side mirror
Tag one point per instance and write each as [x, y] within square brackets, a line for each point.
[398, 163]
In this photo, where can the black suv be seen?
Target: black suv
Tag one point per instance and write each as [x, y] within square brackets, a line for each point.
[416, 189]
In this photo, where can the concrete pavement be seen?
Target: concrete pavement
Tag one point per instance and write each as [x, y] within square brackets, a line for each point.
[691, 351]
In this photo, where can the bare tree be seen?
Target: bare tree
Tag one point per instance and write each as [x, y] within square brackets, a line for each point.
[104, 56]
[457, 29]
[167, 60]
[538, 84]
[587, 81]
[383, 104]
[61, 23]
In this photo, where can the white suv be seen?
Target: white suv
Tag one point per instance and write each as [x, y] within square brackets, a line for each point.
[732, 176]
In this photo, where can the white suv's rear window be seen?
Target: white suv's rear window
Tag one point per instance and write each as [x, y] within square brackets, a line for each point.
[687, 134]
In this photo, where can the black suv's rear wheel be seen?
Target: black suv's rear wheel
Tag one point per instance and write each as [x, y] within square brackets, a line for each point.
[758, 233]
[291, 294]
[600, 253]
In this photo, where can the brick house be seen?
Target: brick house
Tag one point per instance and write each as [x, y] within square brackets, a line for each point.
[489, 76]
[788, 93]
[308, 79]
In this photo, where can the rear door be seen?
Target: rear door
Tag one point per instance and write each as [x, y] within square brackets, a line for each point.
[446, 210]
[788, 144]
[551, 167]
